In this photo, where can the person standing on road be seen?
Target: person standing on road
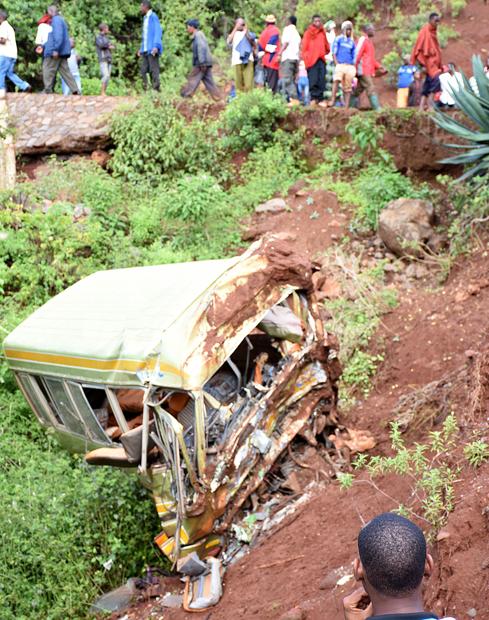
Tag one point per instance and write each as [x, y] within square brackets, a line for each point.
[367, 66]
[57, 50]
[427, 53]
[269, 46]
[202, 63]
[242, 44]
[151, 46]
[104, 52]
[8, 55]
[74, 64]
[289, 59]
[315, 48]
[344, 58]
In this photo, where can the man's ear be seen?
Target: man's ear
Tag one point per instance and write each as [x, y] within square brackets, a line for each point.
[429, 565]
[358, 571]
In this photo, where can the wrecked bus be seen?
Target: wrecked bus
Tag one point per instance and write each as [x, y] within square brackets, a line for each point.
[198, 375]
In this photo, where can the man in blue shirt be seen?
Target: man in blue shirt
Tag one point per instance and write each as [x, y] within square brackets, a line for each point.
[56, 52]
[405, 77]
[151, 46]
[344, 58]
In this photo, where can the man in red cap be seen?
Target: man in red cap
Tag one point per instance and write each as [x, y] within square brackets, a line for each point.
[315, 48]
[269, 46]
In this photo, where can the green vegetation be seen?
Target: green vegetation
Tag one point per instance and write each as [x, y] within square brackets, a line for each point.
[355, 317]
[337, 9]
[428, 467]
[251, 119]
[477, 452]
[70, 531]
[369, 179]
[473, 101]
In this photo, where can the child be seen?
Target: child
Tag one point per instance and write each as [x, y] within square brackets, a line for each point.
[405, 77]
[303, 84]
[393, 561]
[415, 90]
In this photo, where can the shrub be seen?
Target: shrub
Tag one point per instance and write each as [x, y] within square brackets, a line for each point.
[155, 141]
[61, 522]
[269, 170]
[251, 119]
[428, 468]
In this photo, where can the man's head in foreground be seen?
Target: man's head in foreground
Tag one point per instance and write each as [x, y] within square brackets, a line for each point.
[391, 565]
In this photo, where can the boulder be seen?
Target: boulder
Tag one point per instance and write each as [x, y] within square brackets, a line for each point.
[275, 205]
[100, 157]
[406, 224]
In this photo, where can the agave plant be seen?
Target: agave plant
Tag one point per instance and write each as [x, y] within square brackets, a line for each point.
[473, 101]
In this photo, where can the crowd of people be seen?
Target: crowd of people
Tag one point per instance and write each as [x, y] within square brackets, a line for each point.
[320, 68]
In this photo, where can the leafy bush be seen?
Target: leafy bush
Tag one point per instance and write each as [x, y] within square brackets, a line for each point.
[155, 141]
[269, 170]
[251, 119]
[470, 212]
[61, 522]
[427, 466]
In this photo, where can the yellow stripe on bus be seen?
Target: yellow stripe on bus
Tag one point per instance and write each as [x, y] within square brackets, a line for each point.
[90, 363]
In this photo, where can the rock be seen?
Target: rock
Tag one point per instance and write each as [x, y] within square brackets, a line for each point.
[472, 612]
[405, 225]
[417, 271]
[318, 279]
[294, 614]
[100, 157]
[115, 600]
[171, 601]
[331, 288]
[275, 205]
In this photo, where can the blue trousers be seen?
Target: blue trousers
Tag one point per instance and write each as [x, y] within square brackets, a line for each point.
[7, 71]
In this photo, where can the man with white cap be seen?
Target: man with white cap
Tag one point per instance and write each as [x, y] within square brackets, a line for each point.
[269, 46]
[344, 58]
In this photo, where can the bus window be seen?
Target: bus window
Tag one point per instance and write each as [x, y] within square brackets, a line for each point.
[90, 416]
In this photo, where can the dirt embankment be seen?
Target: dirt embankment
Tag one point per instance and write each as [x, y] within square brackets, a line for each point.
[435, 334]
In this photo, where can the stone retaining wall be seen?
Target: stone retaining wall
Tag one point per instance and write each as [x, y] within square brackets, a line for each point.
[56, 124]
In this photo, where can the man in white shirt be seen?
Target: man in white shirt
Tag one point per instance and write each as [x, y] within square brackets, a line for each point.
[289, 59]
[8, 55]
[450, 81]
[242, 44]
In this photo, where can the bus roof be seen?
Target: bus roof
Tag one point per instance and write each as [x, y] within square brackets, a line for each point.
[171, 325]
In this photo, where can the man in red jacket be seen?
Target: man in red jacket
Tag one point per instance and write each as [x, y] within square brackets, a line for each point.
[367, 66]
[315, 47]
[427, 53]
[269, 46]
